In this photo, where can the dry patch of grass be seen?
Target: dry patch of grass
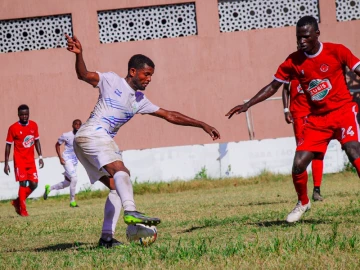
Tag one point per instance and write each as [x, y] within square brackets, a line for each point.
[207, 224]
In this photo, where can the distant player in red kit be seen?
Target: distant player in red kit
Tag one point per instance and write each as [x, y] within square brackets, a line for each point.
[319, 68]
[297, 114]
[25, 135]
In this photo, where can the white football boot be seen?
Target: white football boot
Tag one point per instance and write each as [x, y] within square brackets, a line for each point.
[298, 211]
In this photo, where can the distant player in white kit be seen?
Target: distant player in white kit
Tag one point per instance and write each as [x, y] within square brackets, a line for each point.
[118, 102]
[69, 160]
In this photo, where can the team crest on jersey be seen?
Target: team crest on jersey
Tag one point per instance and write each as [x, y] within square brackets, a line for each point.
[319, 89]
[324, 67]
[299, 89]
[28, 141]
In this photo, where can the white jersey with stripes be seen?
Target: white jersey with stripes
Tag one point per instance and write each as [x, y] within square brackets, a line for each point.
[116, 105]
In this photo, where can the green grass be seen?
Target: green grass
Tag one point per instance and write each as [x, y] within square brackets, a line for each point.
[207, 224]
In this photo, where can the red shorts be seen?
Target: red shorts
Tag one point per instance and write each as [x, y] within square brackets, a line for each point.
[24, 172]
[340, 124]
[299, 126]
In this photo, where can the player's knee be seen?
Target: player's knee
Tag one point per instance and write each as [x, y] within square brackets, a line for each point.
[74, 180]
[352, 150]
[301, 160]
[299, 166]
[33, 185]
[66, 183]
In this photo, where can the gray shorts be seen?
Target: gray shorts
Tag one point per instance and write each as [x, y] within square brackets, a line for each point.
[96, 152]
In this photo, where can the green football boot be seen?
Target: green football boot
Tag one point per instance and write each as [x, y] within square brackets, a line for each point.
[47, 191]
[135, 217]
[73, 204]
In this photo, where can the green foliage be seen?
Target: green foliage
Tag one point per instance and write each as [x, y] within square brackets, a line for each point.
[202, 174]
[348, 167]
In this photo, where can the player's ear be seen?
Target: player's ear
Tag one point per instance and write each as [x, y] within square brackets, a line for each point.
[317, 33]
[132, 72]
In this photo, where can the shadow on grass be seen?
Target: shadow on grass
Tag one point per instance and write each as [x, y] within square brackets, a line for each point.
[64, 246]
[193, 228]
[285, 223]
[273, 223]
[265, 203]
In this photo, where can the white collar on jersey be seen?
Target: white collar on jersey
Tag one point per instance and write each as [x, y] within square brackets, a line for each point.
[316, 54]
[132, 91]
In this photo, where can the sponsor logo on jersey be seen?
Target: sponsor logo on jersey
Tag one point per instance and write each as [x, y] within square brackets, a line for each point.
[324, 67]
[319, 89]
[29, 141]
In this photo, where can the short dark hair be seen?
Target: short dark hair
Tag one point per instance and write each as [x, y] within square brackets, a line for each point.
[76, 120]
[138, 61]
[308, 20]
[23, 107]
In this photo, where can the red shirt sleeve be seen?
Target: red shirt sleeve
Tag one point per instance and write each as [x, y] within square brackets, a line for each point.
[10, 137]
[346, 57]
[37, 136]
[284, 71]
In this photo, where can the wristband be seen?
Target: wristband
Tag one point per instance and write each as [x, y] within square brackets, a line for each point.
[40, 157]
[286, 110]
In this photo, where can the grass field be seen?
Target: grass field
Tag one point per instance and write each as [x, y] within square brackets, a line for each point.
[206, 224]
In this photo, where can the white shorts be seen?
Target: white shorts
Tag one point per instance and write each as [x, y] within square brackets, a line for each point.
[96, 152]
[70, 169]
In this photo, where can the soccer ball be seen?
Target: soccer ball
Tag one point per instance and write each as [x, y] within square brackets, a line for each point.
[141, 234]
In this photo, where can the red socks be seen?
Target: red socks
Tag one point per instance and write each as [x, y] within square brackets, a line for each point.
[356, 164]
[317, 171]
[300, 183]
[24, 192]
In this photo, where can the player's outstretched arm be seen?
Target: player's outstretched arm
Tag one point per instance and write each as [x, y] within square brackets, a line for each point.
[38, 150]
[74, 46]
[57, 148]
[183, 120]
[286, 101]
[263, 94]
[7, 154]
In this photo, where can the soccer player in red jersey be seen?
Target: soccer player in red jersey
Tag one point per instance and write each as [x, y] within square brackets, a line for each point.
[319, 68]
[25, 135]
[297, 114]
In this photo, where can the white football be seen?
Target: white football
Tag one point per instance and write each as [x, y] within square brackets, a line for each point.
[142, 234]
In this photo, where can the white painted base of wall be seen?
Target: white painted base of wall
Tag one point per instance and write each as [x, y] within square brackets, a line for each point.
[247, 158]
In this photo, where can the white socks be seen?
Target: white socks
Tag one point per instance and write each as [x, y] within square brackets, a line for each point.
[125, 190]
[73, 188]
[60, 185]
[65, 184]
[111, 215]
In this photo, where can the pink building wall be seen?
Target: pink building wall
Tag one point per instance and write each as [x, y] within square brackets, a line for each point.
[202, 76]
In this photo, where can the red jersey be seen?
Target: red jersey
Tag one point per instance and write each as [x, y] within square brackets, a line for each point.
[299, 106]
[23, 138]
[321, 75]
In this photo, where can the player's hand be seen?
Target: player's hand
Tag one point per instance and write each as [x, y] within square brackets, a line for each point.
[6, 169]
[73, 44]
[237, 110]
[288, 118]
[41, 163]
[214, 134]
[62, 161]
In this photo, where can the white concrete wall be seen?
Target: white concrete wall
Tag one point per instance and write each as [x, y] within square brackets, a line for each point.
[247, 158]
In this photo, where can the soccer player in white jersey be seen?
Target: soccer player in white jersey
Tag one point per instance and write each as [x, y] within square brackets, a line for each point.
[69, 160]
[119, 100]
